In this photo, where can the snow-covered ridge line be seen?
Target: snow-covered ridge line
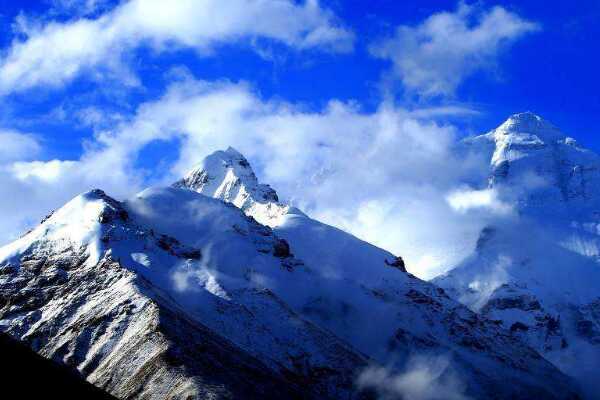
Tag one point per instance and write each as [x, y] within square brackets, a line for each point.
[328, 252]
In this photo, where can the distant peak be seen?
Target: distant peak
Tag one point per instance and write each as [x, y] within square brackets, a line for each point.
[99, 194]
[528, 123]
[526, 119]
[95, 194]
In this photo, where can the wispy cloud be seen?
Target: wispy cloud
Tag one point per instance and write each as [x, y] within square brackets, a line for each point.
[16, 145]
[424, 378]
[434, 57]
[55, 53]
[78, 7]
[465, 200]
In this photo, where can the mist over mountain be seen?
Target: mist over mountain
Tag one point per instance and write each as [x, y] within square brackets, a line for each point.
[536, 272]
[300, 199]
[214, 286]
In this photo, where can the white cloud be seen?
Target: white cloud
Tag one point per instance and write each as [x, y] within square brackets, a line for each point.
[483, 286]
[383, 176]
[425, 378]
[434, 57]
[31, 189]
[465, 200]
[16, 145]
[56, 53]
[47, 172]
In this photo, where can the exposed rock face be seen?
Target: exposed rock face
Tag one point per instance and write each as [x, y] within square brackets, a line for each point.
[398, 263]
[123, 341]
[281, 249]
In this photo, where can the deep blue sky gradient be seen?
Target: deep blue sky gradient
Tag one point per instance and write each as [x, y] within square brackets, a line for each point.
[554, 72]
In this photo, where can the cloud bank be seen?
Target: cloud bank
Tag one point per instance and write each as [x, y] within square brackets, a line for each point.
[389, 176]
[384, 176]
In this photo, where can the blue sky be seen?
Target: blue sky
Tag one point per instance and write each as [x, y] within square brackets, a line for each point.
[552, 72]
[121, 95]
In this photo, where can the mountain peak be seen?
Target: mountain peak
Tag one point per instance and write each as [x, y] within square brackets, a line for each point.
[233, 152]
[227, 175]
[541, 168]
[528, 123]
[223, 171]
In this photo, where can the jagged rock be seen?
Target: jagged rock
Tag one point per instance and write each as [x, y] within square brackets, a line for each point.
[228, 176]
[281, 249]
[398, 263]
[518, 326]
[523, 302]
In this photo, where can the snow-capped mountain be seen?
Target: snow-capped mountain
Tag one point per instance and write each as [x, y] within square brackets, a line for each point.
[363, 294]
[547, 172]
[175, 294]
[538, 273]
[142, 314]
[227, 175]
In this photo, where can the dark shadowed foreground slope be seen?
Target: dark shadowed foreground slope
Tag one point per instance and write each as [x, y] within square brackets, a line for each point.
[37, 377]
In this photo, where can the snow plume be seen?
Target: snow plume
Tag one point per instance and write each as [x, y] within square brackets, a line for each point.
[191, 276]
[424, 378]
[484, 285]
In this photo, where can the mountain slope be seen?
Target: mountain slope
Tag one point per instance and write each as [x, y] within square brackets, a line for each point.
[364, 295]
[173, 294]
[538, 274]
[141, 315]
